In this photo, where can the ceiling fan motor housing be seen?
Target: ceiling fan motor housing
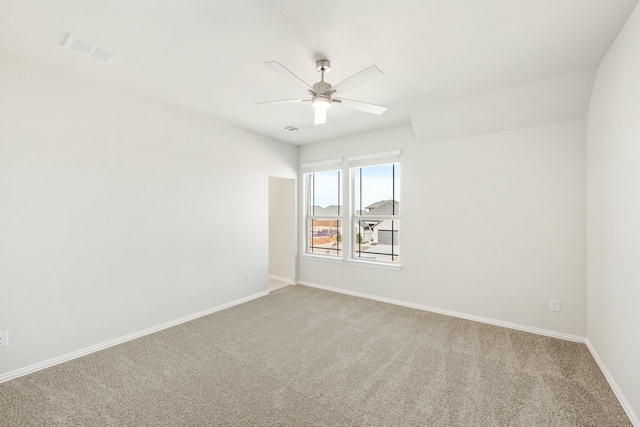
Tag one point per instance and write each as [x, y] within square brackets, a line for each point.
[321, 87]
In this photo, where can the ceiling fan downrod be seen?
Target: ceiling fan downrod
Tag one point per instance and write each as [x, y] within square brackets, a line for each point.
[322, 87]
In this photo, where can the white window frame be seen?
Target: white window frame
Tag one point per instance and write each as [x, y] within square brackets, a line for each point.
[347, 218]
[354, 162]
[323, 166]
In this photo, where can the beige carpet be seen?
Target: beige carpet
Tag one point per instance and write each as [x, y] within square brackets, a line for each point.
[307, 357]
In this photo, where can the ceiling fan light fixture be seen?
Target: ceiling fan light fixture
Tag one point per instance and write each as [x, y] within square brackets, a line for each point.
[321, 101]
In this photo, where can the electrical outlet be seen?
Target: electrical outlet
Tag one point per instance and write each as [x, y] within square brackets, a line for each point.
[339, 271]
[4, 338]
[248, 278]
[554, 305]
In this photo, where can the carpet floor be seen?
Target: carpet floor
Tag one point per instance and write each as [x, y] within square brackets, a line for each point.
[308, 357]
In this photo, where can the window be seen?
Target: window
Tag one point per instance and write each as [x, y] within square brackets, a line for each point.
[367, 228]
[323, 212]
[376, 212]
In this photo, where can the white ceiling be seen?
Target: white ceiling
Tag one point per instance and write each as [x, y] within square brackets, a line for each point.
[208, 56]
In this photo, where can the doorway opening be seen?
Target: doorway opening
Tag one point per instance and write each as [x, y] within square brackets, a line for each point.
[282, 232]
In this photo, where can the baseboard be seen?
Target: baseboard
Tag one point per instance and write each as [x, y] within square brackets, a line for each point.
[480, 319]
[614, 386]
[92, 349]
[282, 279]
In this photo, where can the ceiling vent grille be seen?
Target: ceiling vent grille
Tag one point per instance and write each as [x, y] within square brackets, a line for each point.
[291, 129]
[91, 50]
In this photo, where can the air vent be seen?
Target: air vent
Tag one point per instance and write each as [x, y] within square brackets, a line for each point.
[291, 129]
[89, 49]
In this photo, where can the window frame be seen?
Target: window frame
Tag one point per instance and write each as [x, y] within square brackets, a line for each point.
[308, 170]
[354, 219]
[347, 212]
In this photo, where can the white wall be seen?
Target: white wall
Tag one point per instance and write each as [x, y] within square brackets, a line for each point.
[553, 100]
[118, 214]
[493, 225]
[282, 228]
[613, 172]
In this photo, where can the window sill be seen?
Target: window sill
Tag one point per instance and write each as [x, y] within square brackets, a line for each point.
[323, 258]
[373, 264]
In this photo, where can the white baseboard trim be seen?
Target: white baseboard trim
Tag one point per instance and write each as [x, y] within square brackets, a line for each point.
[614, 386]
[516, 326]
[92, 349]
[282, 279]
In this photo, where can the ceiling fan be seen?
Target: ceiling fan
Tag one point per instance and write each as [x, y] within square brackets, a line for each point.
[323, 94]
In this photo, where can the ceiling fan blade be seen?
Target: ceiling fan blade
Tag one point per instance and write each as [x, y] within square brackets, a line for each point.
[358, 79]
[284, 101]
[284, 72]
[320, 116]
[363, 106]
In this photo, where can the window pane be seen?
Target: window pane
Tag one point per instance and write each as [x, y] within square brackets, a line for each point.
[325, 236]
[376, 194]
[377, 240]
[376, 190]
[324, 192]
